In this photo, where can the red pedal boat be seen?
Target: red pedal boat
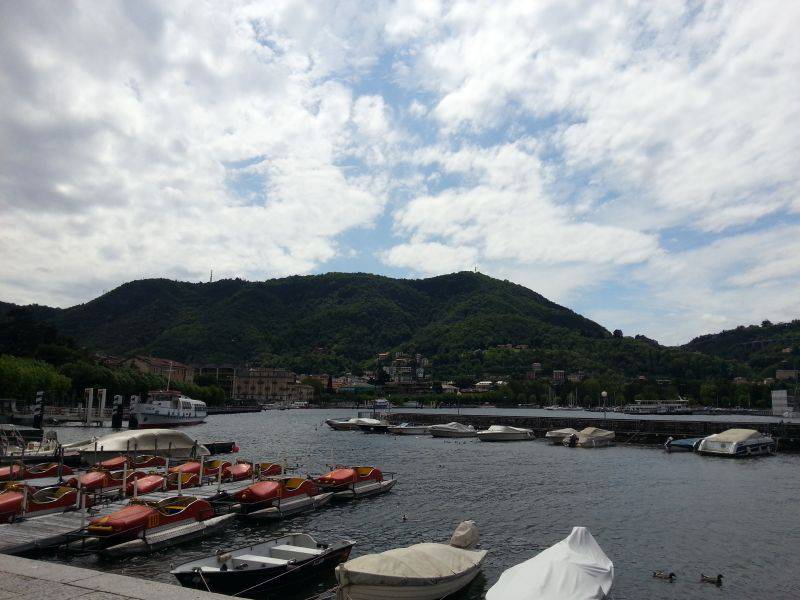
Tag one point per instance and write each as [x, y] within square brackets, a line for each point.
[39, 499]
[144, 461]
[99, 479]
[238, 472]
[146, 484]
[264, 493]
[140, 516]
[187, 480]
[268, 469]
[187, 467]
[214, 467]
[12, 472]
[342, 477]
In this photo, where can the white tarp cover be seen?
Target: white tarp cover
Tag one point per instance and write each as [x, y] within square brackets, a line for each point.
[594, 433]
[146, 440]
[417, 565]
[735, 435]
[508, 429]
[454, 425]
[562, 433]
[576, 568]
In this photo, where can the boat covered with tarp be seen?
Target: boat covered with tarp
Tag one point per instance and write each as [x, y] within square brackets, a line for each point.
[590, 437]
[505, 433]
[158, 442]
[427, 571]
[737, 443]
[452, 430]
[576, 568]
[557, 436]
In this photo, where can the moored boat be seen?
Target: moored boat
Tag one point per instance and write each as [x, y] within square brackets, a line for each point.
[269, 469]
[15, 496]
[590, 437]
[181, 480]
[425, 571]
[343, 424]
[38, 471]
[116, 463]
[99, 479]
[576, 568]
[342, 478]
[215, 468]
[682, 445]
[167, 408]
[158, 442]
[146, 484]
[505, 433]
[265, 568]
[140, 516]
[452, 430]
[408, 429]
[370, 425]
[279, 497]
[238, 472]
[737, 443]
[557, 436]
[191, 466]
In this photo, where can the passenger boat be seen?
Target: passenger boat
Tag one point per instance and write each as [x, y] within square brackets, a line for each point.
[17, 472]
[370, 425]
[158, 442]
[140, 516]
[265, 568]
[343, 424]
[590, 437]
[557, 436]
[683, 445]
[279, 497]
[658, 407]
[505, 433]
[423, 572]
[452, 430]
[167, 408]
[408, 429]
[737, 443]
[576, 568]
[55, 498]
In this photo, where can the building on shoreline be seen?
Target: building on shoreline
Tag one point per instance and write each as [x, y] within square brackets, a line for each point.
[163, 367]
[262, 384]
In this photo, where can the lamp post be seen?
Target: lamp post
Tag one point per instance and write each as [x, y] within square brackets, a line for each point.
[604, 394]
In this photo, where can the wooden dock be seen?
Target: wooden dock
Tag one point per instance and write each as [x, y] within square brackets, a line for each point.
[47, 531]
[627, 430]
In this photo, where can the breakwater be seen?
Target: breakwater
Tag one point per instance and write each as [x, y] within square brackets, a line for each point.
[628, 431]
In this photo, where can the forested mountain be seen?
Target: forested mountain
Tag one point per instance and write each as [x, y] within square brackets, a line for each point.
[339, 321]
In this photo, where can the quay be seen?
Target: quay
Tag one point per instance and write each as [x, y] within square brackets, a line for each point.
[627, 431]
[26, 579]
[55, 529]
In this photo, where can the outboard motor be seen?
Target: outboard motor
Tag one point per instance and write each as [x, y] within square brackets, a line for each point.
[573, 440]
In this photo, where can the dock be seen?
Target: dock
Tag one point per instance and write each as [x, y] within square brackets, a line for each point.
[26, 579]
[627, 430]
[55, 529]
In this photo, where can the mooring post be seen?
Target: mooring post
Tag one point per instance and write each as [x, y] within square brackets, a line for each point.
[125, 478]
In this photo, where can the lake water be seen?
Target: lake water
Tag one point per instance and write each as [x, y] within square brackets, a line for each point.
[647, 509]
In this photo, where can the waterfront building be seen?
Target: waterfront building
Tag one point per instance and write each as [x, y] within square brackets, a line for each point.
[787, 374]
[223, 376]
[262, 384]
[163, 367]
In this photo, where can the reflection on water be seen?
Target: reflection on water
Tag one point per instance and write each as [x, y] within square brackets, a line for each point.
[648, 510]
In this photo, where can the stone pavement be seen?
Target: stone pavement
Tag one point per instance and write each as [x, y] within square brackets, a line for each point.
[26, 579]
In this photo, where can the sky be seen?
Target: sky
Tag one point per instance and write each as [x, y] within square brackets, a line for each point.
[638, 162]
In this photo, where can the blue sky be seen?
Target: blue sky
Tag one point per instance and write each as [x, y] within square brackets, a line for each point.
[635, 161]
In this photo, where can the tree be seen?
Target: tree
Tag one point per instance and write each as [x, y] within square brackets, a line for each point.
[618, 333]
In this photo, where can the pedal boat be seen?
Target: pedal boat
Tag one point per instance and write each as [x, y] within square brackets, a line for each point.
[215, 468]
[136, 462]
[269, 469]
[279, 497]
[343, 478]
[15, 472]
[55, 498]
[101, 479]
[187, 467]
[266, 568]
[144, 516]
[238, 472]
[188, 480]
[146, 484]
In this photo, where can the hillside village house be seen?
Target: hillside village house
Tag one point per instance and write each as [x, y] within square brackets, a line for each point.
[168, 369]
[271, 385]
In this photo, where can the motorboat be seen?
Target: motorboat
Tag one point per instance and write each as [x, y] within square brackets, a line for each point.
[576, 568]
[265, 568]
[557, 436]
[342, 478]
[17, 472]
[166, 408]
[452, 430]
[505, 433]
[408, 429]
[683, 445]
[370, 425]
[590, 437]
[427, 571]
[158, 442]
[738, 443]
[139, 516]
[343, 424]
[279, 497]
[55, 498]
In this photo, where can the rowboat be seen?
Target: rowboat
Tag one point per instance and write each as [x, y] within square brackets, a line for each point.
[425, 571]
[265, 568]
[505, 433]
[576, 568]
[279, 497]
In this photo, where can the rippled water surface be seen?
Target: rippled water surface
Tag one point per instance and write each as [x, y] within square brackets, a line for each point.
[647, 509]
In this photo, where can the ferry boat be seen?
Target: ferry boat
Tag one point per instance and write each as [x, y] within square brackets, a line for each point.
[659, 407]
[167, 408]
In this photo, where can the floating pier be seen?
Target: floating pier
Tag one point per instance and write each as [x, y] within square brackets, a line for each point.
[628, 430]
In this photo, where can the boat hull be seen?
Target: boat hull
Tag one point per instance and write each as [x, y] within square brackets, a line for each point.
[290, 507]
[413, 430]
[434, 591]
[341, 425]
[504, 437]
[364, 490]
[444, 433]
[741, 450]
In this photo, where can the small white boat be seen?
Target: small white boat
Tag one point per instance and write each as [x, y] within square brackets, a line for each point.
[505, 433]
[160, 442]
[364, 489]
[419, 572]
[408, 429]
[557, 436]
[343, 424]
[370, 425]
[590, 437]
[737, 443]
[452, 430]
[576, 568]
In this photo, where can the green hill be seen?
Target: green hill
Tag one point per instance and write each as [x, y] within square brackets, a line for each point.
[339, 321]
